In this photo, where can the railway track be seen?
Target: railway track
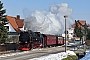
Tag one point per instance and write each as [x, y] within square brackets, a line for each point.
[21, 52]
[5, 52]
[9, 52]
[15, 51]
[25, 55]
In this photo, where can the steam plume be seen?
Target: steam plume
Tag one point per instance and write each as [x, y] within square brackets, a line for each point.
[49, 22]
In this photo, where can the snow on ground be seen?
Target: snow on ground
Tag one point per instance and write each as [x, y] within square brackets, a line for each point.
[13, 54]
[16, 53]
[86, 57]
[58, 56]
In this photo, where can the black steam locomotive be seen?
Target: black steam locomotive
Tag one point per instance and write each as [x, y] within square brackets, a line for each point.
[31, 40]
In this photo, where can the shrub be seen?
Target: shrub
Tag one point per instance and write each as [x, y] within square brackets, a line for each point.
[71, 57]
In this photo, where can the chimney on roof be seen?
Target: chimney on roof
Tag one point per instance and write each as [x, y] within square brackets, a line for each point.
[18, 16]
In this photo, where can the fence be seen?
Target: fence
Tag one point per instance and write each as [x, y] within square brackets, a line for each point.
[8, 46]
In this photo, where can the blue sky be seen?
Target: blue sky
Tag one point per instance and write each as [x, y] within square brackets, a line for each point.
[80, 8]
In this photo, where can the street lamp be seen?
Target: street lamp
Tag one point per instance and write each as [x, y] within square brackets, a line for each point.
[65, 33]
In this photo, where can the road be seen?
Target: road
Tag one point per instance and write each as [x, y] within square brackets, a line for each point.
[35, 53]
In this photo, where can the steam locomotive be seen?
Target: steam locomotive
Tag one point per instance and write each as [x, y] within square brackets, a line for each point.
[32, 40]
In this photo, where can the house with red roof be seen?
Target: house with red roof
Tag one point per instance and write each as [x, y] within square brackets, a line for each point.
[15, 24]
[70, 33]
[80, 23]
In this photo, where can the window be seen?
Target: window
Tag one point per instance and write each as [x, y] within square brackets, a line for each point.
[54, 38]
[59, 38]
[7, 27]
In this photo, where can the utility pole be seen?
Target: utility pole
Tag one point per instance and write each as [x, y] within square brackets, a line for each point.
[65, 33]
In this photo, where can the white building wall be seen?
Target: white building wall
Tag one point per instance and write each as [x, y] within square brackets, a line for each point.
[11, 29]
[70, 33]
[70, 30]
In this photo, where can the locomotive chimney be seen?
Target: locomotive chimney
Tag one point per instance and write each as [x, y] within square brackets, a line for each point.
[18, 16]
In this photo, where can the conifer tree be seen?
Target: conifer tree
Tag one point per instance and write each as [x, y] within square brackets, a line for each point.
[78, 30]
[88, 34]
[3, 22]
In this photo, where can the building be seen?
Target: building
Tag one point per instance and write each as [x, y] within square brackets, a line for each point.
[70, 31]
[15, 25]
[80, 23]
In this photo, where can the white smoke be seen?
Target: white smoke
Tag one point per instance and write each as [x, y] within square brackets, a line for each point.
[51, 22]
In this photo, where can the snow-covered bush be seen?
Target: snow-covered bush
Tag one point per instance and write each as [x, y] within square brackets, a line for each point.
[71, 57]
